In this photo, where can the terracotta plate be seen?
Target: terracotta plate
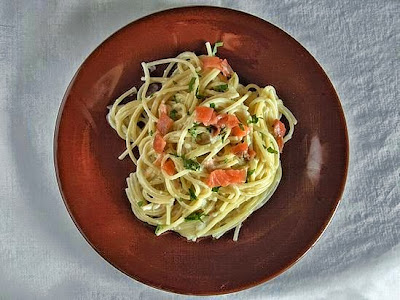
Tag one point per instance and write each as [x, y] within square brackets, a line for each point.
[92, 179]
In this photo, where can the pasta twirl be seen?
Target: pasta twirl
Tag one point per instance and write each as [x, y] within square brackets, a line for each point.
[209, 146]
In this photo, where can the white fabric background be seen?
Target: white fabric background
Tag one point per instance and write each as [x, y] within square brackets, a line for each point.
[42, 43]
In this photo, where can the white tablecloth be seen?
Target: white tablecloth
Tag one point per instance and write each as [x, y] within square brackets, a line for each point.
[42, 43]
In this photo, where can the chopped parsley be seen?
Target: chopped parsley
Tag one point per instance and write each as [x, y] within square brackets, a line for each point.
[190, 164]
[223, 137]
[212, 105]
[151, 132]
[191, 83]
[254, 119]
[215, 48]
[272, 150]
[192, 130]
[172, 114]
[225, 160]
[250, 172]
[198, 96]
[158, 228]
[195, 216]
[140, 203]
[175, 99]
[241, 126]
[221, 88]
[192, 194]
[216, 189]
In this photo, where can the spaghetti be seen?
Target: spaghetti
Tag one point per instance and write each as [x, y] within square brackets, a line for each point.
[209, 147]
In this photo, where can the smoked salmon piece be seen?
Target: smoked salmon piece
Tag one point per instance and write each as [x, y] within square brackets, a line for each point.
[279, 141]
[279, 133]
[215, 62]
[229, 121]
[279, 128]
[240, 149]
[226, 68]
[211, 62]
[222, 177]
[169, 167]
[164, 123]
[206, 115]
[240, 131]
[159, 143]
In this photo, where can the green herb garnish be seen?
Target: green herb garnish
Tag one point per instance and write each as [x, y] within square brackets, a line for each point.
[190, 164]
[140, 203]
[198, 96]
[172, 114]
[158, 228]
[223, 137]
[191, 83]
[250, 172]
[216, 189]
[272, 150]
[215, 48]
[212, 105]
[192, 130]
[175, 99]
[195, 216]
[221, 88]
[254, 119]
[151, 132]
[192, 194]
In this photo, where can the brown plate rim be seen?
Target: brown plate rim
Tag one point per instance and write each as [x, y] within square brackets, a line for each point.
[341, 115]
